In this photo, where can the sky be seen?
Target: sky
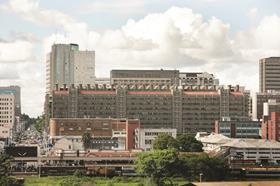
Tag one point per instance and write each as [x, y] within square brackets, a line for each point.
[223, 37]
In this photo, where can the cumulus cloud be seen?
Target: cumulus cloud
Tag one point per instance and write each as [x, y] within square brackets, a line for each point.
[115, 6]
[253, 13]
[178, 38]
[15, 51]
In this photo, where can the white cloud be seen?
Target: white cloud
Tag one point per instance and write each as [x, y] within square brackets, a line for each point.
[14, 51]
[115, 6]
[253, 13]
[175, 39]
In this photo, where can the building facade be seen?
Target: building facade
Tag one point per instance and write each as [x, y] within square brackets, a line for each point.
[7, 116]
[271, 126]
[102, 130]
[66, 64]
[238, 127]
[259, 99]
[15, 90]
[146, 137]
[198, 78]
[269, 74]
[144, 77]
[189, 109]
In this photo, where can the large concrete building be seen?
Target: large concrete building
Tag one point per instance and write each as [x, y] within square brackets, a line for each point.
[238, 127]
[189, 109]
[7, 116]
[66, 64]
[269, 74]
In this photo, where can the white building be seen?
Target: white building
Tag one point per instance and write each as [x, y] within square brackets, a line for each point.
[212, 142]
[146, 136]
[255, 150]
[7, 115]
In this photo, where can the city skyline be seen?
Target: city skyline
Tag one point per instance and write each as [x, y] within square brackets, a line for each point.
[203, 35]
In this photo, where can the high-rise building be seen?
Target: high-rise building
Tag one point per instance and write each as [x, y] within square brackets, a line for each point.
[269, 74]
[67, 65]
[7, 116]
[13, 89]
[189, 109]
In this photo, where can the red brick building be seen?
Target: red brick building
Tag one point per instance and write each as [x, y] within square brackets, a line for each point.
[123, 130]
[270, 127]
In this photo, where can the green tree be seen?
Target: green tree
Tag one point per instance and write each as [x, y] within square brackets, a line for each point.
[188, 143]
[165, 141]
[157, 164]
[212, 168]
[86, 139]
[5, 162]
[40, 123]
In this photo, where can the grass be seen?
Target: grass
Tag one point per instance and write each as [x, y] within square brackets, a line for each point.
[89, 181]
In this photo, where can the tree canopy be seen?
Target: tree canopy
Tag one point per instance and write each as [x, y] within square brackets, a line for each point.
[157, 164]
[183, 143]
[86, 139]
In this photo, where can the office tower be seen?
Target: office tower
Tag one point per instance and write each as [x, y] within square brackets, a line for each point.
[7, 116]
[189, 109]
[13, 89]
[67, 65]
[269, 74]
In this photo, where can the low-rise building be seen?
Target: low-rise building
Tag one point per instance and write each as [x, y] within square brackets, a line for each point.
[238, 127]
[145, 137]
[253, 151]
[212, 142]
[121, 130]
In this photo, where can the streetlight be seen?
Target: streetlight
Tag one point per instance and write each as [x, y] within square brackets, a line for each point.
[200, 177]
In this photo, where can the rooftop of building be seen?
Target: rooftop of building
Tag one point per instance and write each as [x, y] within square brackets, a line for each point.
[214, 138]
[252, 143]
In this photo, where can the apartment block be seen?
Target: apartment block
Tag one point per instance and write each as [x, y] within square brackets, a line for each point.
[189, 109]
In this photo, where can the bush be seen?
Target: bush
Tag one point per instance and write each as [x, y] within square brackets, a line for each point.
[79, 173]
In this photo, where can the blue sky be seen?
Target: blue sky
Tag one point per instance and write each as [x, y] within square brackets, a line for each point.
[224, 37]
